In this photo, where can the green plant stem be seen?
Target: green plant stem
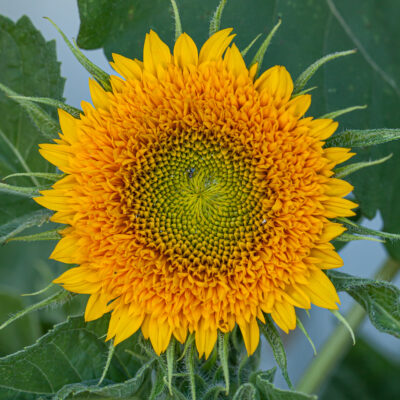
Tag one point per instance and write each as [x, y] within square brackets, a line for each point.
[339, 342]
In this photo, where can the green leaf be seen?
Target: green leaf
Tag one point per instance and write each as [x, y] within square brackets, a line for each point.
[29, 67]
[270, 392]
[272, 335]
[246, 392]
[380, 299]
[363, 138]
[72, 352]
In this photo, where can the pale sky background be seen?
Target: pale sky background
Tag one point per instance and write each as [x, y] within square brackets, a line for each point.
[360, 258]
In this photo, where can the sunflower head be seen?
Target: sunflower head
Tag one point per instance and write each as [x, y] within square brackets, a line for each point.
[197, 197]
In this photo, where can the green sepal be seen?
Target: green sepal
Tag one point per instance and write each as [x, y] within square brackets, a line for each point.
[338, 113]
[170, 354]
[344, 322]
[158, 385]
[42, 120]
[190, 368]
[355, 228]
[45, 175]
[305, 76]
[303, 329]
[305, 91]
[271, 334]
[59, 297]
[75, 112]
[349, 237]
[362, 138]
[53, 234]
[250, 45]
[101, 76]
[342, 172]
[22, 190]
[111, 349]
[215, 22]
[259, 56]
[177, 19]
[246, 392]
[19, 224]
[223, 352]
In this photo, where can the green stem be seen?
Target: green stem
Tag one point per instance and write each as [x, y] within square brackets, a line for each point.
[339, 342]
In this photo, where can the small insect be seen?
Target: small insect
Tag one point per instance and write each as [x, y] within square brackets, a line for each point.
[190, 172]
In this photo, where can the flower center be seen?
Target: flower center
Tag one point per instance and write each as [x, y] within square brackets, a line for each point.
[197, 200]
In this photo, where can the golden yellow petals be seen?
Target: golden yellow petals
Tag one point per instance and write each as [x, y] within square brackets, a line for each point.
[67, 250]
[337, 187]
[327, 256]
[277, 82]
[284, 316]
[234, 61]
[96, 307]
[331, 231]
[205, 340]
[58, 155]
[185, 51]
[54, 200]
[127, 326]
[322, 128]
[251, 334]
[98, 94]
[68, 126]
[79, 280]
[127, 68]
[214, 47]
[321, 291]
[160, 335]
[156, 54]
[338, 207]
[299, 105]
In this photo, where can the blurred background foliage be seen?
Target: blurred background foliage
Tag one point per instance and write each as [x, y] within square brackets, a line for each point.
[309, 30]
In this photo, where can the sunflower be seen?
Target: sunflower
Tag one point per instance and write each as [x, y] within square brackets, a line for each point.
[197, 197]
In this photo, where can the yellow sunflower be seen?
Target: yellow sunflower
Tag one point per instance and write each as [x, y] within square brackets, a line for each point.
[197, 197]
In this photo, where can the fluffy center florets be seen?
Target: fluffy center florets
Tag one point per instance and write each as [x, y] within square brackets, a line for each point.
[195, 199]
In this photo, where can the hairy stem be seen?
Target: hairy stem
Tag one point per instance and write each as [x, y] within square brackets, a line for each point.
[339, 342]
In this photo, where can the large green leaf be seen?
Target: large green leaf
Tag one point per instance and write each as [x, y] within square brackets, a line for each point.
[379, 298]
[73, 352]
[309, 30]
[29, 67]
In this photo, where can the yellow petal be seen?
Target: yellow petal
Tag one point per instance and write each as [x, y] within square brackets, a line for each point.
[126, 67]
[117, 84]
[127, 326]
[79, 280]
[53, 200]
[285, 314]
[337, 187]
[234, 61]
[322, 128]
[331, 231]
[160, 335]
[180, 334]
[67, 251]
[57, 154]
[156, 53]
[185, 51]
[277, 82]
[215, 45]
[251, 334]
[337, 155]
[299, 105]
[299, 297]
[68, 126]
[338, 207]
[96, 307]
[321, 291]
[327, 256]
[98, 94]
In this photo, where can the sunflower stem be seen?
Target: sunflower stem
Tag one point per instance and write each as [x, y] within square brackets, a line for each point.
[189, 358]
[340, 341]
[223, 351]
